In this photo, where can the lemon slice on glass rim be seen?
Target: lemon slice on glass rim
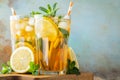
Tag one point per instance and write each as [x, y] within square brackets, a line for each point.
[21, 58]
[49, 29]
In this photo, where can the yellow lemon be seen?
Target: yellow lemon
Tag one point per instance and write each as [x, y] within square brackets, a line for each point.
[21, 58]
[19, 44]
[49, 29]
[72, 56]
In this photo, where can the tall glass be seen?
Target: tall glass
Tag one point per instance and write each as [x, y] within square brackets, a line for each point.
[23, 34]
[52, 36]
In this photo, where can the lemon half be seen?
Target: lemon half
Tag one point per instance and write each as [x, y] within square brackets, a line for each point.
[20, 59]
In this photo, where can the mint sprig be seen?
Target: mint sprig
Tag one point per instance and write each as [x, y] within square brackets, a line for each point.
[6, 68]
[34, 68]
[50, 10]
[71, 68]
[34, 13]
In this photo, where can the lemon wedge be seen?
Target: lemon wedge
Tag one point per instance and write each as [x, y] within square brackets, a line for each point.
[72, 56]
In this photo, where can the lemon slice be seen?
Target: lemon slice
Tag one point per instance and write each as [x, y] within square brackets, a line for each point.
[49, 29]
[19, 44]
[30, 46]
[21, 58]
[72, 56]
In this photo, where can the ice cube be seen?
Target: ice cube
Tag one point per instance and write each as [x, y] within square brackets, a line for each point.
[63, 25]
[15, 17]
[31, 21]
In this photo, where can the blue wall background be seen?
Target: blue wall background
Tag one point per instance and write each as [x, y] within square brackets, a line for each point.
[95, 29]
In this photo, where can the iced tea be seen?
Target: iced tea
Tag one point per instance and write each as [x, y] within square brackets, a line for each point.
[52, 35]
[22, 33]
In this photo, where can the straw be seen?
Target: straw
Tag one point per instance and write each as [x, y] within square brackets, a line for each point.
[70, 8]
[13, 12]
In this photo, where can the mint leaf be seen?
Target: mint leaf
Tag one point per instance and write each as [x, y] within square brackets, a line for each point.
[54, 12]
[59, 17]
[75, 70]
[34, 13]
[64, 32]
[6, 68]
[49, 7]
[71, 69]
[35, 72]
[72, 64]
[33, 68]
[54, 6]
[43, 9]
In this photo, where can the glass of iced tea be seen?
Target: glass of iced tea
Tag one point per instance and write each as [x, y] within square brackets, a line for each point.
[51, 43]
[23, 34]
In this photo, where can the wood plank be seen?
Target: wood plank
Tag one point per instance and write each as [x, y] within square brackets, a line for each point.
[14, 76]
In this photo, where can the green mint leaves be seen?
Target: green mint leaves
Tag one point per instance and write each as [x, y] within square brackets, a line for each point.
[64, 32]
[44, 9]
[6, 68]
[50, 11]
[34, 13]
[34, 68]
[71, 69]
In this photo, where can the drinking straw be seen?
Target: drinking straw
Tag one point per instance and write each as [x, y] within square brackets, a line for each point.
[13, 12]
[67, 16]
[70, 8]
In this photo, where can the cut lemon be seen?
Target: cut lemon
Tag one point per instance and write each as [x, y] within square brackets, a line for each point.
[49, 29]
[30, 46]
[19, 44]
[72, 56]
[21, 58]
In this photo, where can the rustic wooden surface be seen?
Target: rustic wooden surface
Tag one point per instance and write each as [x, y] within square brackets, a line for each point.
[82, 76]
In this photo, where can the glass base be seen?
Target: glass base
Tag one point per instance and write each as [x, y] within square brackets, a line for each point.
[52, 72]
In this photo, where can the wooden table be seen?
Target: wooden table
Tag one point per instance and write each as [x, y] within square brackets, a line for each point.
[14, 76]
